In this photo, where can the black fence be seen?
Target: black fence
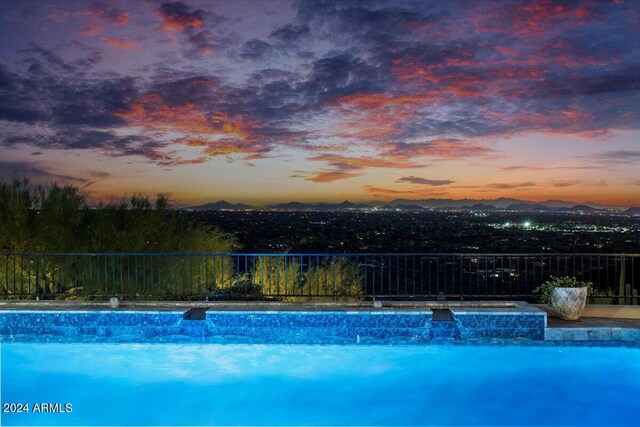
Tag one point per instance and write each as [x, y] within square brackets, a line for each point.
[300, 277]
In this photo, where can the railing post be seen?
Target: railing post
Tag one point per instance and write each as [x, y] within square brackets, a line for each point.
[634, 290]
[622, 285]
[37, 273]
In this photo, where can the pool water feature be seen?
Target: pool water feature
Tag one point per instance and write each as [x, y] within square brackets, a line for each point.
[255, 384]
[443, 325]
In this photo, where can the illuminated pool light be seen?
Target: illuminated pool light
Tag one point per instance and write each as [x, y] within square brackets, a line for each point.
[527, 224]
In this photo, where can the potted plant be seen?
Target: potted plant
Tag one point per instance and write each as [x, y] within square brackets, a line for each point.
[567, 295]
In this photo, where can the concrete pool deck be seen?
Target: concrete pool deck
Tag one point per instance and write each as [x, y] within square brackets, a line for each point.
[592, 329]
[603, 323]
[592, 322]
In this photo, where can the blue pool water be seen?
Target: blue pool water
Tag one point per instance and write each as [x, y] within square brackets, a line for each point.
[249, 384]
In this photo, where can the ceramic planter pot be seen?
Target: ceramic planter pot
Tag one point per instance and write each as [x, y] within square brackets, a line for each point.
[569, 302]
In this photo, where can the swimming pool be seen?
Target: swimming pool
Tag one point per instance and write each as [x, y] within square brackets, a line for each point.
[211, 384]
[302, 367]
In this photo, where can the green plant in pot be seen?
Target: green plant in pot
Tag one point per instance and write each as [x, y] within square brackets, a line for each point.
[567, 295]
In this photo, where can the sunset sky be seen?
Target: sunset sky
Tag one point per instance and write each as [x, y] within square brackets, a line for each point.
[271, 101]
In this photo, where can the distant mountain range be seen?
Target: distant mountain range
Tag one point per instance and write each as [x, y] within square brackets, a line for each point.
[634, 210]
[500, 203]
[221, 205]
[417, 205]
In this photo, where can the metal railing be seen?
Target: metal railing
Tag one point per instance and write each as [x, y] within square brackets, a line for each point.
[298, 277]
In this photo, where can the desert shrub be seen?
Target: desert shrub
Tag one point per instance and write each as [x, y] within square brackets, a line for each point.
[607, 296]
[16, 201]
[244, 291]
[333, 279]
[57, 219]
[277, 275]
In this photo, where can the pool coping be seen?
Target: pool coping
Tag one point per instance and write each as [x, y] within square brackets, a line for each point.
[400, 306]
